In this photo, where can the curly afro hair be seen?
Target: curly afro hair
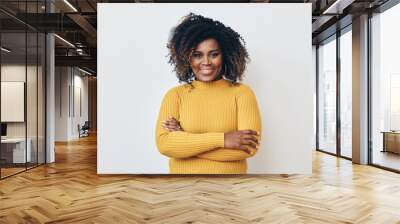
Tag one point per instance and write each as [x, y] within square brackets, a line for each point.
[194, 29]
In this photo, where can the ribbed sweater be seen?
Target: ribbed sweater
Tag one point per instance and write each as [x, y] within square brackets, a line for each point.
[207, 110]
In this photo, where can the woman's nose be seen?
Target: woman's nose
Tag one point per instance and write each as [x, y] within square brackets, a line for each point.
[206, 60]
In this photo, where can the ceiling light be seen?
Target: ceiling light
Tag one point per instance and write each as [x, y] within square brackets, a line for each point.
[338, 6]
[84, 71]
[331, 7]
[64, 40]
[5, 50]
[70, 5]
[79, 51]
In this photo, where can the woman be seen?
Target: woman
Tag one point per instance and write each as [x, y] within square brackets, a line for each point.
[211, 124]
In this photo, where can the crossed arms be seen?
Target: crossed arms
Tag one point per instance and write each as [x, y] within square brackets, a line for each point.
[210, 145]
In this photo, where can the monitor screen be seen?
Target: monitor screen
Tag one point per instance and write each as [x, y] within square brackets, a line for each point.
[3, 129]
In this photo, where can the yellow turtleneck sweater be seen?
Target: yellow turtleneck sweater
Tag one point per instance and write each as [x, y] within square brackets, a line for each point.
[206, 111]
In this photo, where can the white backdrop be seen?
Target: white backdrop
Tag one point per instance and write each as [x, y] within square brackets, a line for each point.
[134, 75]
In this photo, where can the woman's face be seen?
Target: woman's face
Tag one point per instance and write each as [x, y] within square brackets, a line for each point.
[206, 60]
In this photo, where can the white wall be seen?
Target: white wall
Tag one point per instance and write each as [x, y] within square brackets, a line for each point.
[68, 81]
[134, 75]
[61, 103]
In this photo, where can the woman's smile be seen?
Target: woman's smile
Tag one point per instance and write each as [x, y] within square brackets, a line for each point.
[206, 71]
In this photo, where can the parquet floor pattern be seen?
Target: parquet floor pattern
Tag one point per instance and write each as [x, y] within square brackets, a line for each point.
[70, 191]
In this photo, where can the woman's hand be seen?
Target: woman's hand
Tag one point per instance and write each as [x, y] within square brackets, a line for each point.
[241, 140]
[172, 125]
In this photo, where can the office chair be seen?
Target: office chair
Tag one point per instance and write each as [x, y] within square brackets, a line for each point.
[84, 130]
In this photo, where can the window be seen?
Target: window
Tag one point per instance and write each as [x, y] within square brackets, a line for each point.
[346, 93]
[327, 96]
[385, 88]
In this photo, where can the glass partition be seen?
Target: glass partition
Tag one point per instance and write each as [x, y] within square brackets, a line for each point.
[13, 109]
[41, 107]
[22, 77]
[32, 95]
[33, 56]
[327, 96]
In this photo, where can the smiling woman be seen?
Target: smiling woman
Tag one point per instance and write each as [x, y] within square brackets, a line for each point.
[211, 124]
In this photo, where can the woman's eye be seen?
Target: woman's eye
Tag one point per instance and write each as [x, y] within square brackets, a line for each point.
[197, 55]
[214, 55]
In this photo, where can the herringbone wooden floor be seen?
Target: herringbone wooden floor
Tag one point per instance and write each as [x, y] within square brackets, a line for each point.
[70, 191]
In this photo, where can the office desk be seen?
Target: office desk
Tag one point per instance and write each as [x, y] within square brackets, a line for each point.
[391, 141]
[13, 150]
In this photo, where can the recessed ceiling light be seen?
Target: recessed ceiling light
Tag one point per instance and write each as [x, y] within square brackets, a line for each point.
[64, 40]
[335, 7]
[70, 5]
[84, 71]
[5, 50]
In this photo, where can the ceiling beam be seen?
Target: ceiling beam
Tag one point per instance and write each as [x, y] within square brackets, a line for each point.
[83, 23]
[85, 61]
